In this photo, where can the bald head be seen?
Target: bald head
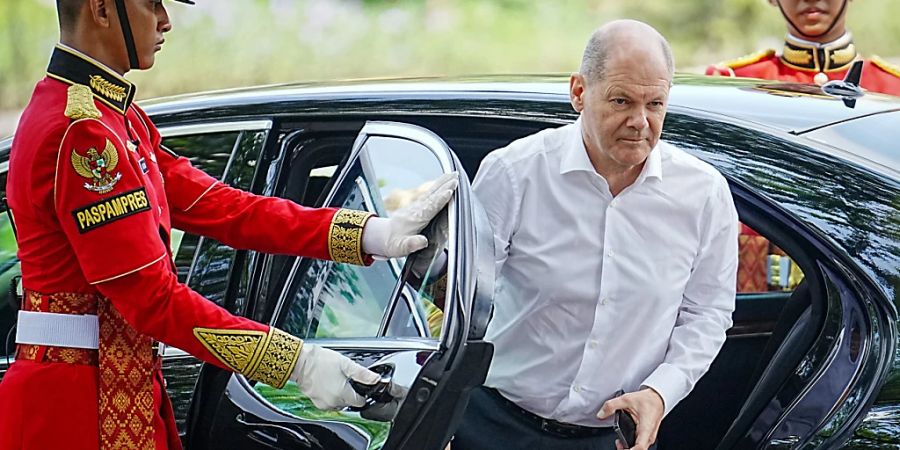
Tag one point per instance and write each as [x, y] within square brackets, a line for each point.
[624, 39]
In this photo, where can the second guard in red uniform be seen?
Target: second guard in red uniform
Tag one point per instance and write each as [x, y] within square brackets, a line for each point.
[94, 197]
[817, 48]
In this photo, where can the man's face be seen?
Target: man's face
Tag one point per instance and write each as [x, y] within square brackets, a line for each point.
[813, 18]
[149, 20]
[622, 113]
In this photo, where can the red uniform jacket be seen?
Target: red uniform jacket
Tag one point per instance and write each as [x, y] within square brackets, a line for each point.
[805, 62]
[802, 62]
[94, 198]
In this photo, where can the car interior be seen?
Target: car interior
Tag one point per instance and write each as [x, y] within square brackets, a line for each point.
[775, 322]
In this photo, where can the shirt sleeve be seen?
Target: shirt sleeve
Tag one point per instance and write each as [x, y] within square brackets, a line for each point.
[102, 204]
[707, 304]
[499, 194]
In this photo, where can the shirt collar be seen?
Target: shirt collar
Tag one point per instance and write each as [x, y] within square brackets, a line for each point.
[73, 67]
[575, 157]
[813, 56]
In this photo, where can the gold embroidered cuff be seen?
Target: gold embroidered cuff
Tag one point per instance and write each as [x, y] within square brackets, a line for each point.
[266, 357]
[345, 236]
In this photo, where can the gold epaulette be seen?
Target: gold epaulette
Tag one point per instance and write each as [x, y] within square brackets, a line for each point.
[80, 104]
[886, 66]
[746, 60]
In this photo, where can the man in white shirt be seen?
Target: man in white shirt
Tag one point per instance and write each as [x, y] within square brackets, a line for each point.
[616, 259]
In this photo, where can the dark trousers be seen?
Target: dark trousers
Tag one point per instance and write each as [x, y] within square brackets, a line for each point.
[491, 423]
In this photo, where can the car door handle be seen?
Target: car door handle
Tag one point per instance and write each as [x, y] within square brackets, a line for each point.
[270, 433]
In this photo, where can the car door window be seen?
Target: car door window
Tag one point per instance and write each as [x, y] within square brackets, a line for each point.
[209, 153]
[763, 267]
[342, 305]
[341, 300]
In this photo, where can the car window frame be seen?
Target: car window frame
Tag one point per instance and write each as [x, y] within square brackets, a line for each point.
[197, 129]
[432, 142]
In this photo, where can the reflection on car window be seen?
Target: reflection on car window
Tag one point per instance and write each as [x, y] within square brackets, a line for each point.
[340, 300]
[763, 266]
[209, 153]
[425, 287]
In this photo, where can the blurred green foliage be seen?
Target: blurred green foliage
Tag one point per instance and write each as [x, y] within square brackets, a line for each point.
[219, 44]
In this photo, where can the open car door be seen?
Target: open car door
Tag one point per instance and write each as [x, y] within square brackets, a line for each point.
[420, 319]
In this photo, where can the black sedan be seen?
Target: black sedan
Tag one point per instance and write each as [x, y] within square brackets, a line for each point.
[810, 362]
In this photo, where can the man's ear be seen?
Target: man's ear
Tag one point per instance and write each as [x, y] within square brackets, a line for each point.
[101, 11]
[576, 91]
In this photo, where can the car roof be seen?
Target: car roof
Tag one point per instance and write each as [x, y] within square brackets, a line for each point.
[789, 107]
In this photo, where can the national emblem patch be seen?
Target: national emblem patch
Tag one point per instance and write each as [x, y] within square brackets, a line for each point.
[98, 168]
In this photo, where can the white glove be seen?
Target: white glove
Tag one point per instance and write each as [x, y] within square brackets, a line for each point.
[399, 235]
[324, 376]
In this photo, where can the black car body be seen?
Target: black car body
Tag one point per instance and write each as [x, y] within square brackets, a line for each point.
[810, 362]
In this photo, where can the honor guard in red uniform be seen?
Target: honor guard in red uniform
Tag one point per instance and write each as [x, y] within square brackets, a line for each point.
[94, 196]
[818, 48]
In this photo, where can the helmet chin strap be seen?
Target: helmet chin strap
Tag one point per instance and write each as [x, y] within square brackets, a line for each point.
[129, 37]
[797, 29]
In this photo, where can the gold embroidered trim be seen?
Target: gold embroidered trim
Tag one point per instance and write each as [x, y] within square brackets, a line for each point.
[835, 56]
[345, 236]
[886, 66]
[843, 56]
[798, 57]
[278, 359]
[266, 357]
[80, 103]
[108, 89]
[746, 60]
[237, 349]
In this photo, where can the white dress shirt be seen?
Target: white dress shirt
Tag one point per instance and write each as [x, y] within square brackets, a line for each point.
[597, 293]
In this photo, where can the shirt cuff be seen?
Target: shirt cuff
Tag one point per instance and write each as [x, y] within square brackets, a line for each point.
[670, 383]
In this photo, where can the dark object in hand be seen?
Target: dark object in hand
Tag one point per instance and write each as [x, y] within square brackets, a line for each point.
[625, 428]
[623, 423]
[380, 392]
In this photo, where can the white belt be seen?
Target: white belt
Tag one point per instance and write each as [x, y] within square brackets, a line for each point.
[57, 330]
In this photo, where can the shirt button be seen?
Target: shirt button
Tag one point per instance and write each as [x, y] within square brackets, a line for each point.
[613, 203]
[577, 388]
[592, 343]
[604, 301]
[610, 253]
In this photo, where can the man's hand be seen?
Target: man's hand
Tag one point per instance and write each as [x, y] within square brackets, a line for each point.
[399, 235]
[324, 376]
[646, 407]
